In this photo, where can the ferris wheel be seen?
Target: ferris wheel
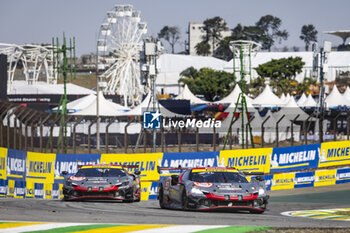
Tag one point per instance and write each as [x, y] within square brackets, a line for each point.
[118, 46]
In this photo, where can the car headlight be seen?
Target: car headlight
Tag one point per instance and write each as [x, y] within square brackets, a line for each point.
[261, 191]
[196, 191]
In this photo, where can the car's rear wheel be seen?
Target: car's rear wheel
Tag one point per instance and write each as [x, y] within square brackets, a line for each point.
[161, 198]
[184, 200]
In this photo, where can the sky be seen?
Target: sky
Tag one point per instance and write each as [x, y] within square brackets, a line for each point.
[37, 21]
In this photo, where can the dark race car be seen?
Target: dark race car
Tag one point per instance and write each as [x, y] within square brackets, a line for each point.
[103, 182]
[212, 188]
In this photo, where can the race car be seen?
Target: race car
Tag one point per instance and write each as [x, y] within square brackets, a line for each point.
[211, 188]
[103, 182]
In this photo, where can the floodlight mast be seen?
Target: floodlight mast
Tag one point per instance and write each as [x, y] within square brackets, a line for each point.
[152, 49]
[327, 47]
[244, 49]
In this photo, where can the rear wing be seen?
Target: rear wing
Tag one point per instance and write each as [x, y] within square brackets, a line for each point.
[167, 169]
[123, 166]
[253, 173]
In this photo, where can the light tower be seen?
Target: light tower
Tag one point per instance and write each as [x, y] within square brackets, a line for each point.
[242, 51]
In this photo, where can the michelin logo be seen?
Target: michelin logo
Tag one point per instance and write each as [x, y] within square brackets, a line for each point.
[305, 179]
[292, 158]
[70, 167]
[15, 165]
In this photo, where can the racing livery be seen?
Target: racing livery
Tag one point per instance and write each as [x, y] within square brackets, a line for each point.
[211, 188]
[103, 182]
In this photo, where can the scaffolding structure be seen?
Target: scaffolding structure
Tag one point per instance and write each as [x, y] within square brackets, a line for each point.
[242, 52]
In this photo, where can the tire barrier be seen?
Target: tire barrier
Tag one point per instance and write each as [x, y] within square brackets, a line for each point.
[38, 175]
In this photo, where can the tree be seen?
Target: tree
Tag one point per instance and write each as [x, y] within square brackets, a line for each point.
[224, 51]
[202, 48]
[171, 35]
[238, 33]
[190, 72]
[213, 28]
[269, 25]
[208, 82]
[284, 68]
[308, 34]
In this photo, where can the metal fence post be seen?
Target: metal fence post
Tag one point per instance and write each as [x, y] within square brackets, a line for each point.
[263, 131]
[277, 136]
[292, 129]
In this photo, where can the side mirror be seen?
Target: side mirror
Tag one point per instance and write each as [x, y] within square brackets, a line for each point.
[259, 178]
[137, 173]
[64, 173]
[174, 179]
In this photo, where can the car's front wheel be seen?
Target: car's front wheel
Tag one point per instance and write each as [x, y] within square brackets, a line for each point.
[161, 197]
[184, 200]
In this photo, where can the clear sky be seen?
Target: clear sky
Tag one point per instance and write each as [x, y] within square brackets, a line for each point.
[37, 21]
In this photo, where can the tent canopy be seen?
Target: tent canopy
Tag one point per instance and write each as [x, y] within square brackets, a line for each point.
[336, 99]
[106, 108]
[186, 94]
[267, 99]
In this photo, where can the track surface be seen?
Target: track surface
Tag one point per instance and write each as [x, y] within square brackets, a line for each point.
[148, 212]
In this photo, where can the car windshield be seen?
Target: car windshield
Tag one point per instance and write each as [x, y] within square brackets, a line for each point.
[218, 177]
[100, 172]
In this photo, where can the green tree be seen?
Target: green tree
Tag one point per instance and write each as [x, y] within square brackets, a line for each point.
[190, 72]
[308, 35]
[238, 33]
[213, 28]
[224, 51]
[270, 27]
[202, 49]
[284, 68]
[171, 35]
[208, 82]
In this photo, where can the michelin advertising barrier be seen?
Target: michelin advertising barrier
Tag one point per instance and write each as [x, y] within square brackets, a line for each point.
[38, 175]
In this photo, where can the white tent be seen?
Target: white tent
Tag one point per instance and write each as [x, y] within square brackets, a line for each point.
[346, 94]
[291, 110]
[286, 100]
[336, 99]
[309, 102]
[302, 99]
[267, 99]
[79, 104]
[283, 97]
[106, 108]
[233, 96]
[186, 94]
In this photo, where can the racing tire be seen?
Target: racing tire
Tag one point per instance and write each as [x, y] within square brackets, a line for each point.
[184, 200]
[161, 198]
[138, 199]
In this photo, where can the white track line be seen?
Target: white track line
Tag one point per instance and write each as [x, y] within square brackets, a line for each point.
[40, 227]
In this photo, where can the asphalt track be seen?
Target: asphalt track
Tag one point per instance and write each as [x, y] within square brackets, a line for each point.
[148, 212]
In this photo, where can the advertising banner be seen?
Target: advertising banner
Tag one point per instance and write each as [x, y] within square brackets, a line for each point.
[70, 163]
[283, 181]
[16, 163]
[268, 181]
[3, 158]
[30, 189]
[343, 175]
[147, 163]
[47, 190]
[247, 159]
[39, 190]
[56, 191]
[191, 159]
[304, 179]
[10, 188]
[294, 158]
[334, 153]
[41, 166]
[325, 177]
[3, 187]
[20, 187]
[153, 191]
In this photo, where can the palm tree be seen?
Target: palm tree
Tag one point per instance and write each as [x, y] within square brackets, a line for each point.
[308, 34]
[202, 49]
